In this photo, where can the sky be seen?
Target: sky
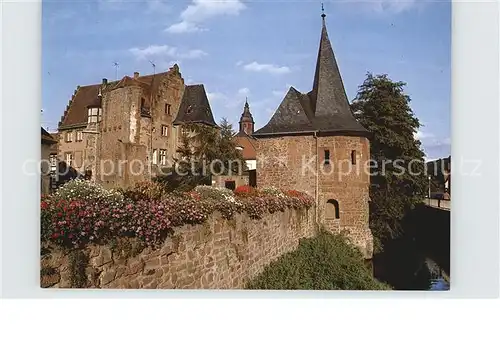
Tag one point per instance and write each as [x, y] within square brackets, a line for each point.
[252, 49]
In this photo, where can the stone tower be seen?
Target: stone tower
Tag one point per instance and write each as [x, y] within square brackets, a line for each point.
[314, 144]
[246, 120]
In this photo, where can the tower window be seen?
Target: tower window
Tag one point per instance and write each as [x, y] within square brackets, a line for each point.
[142, 103]
[155, 157]
[332, 209]
[353, 157]
[326, 157]
[167, 109]
[163, 157]
[164, 130]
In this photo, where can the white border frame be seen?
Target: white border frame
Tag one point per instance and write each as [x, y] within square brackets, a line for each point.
[475, 136]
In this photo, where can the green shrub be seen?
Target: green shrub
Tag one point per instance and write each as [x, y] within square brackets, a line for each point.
[325, 262]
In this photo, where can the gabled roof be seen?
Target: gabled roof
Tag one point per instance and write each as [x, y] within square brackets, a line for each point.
[325, 109]
[195, 107]
[88, 96]
[47, 138]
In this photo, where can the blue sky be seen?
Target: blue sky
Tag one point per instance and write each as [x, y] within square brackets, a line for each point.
[252, 48]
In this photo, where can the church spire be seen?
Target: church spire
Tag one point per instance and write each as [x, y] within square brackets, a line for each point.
[246, 120]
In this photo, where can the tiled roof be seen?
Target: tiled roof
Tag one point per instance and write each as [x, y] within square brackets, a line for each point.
[248, 145]
[325, 109]
[195, 107]
[47, 138]
[85, 96]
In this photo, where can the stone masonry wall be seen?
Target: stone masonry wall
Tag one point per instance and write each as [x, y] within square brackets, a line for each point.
[219, 254]
[290, 162]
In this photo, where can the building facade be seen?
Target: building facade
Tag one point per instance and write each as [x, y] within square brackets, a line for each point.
[314, 144]
[48, 156]
[126, 131]
[245, 143]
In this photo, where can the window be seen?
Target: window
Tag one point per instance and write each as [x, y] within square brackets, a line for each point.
[155, 157]
[79, 135]
[69, 137]
[94, 114]
[230, 184]
[332, 209]
[142, 103]
[327, 157]
[353, 157]
[167, 109]
[164, 130]
[69, 159]
[53, 162]
[163, 157]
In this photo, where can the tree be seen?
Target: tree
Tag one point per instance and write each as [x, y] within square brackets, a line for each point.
[382, 107]
[203, 151]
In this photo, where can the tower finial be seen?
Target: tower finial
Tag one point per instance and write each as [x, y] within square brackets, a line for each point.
[323, 11]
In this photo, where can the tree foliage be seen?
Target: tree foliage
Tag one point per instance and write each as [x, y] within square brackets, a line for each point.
[398, 180]
[202, 152]
[325, 262]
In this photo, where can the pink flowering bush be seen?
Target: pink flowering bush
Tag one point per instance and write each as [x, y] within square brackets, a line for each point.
[151, 217]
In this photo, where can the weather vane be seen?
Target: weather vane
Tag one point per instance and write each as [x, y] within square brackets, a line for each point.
[322, 11]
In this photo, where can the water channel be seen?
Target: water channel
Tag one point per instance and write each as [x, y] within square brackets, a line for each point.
[405, 265]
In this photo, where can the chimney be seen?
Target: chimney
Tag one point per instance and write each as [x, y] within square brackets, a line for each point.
[104, 81]
[136, 75]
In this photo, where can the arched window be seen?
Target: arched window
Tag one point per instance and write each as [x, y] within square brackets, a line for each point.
[332, 209]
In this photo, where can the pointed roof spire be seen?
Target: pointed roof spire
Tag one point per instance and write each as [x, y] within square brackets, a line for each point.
[246, 115]
[325, 109]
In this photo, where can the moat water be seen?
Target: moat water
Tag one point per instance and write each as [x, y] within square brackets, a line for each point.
[405, 266]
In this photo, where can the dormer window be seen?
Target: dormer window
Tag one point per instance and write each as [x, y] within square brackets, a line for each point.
[94, 114]
[188, 110]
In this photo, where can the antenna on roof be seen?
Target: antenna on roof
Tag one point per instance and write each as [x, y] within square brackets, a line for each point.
[116, 69]
[154, 66]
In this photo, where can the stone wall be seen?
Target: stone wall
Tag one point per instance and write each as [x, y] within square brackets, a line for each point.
[219, 254]
[341, 188]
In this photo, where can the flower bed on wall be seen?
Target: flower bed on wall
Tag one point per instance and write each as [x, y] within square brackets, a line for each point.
[82, 212]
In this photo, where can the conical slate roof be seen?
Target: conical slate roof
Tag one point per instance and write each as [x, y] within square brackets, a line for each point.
[325, 109]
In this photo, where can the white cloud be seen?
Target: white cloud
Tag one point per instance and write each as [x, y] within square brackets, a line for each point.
[420, 135]
[165, 51]
[184, 27]
[265, 67]
[201, 10]
[216, 96]
[244, 91]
